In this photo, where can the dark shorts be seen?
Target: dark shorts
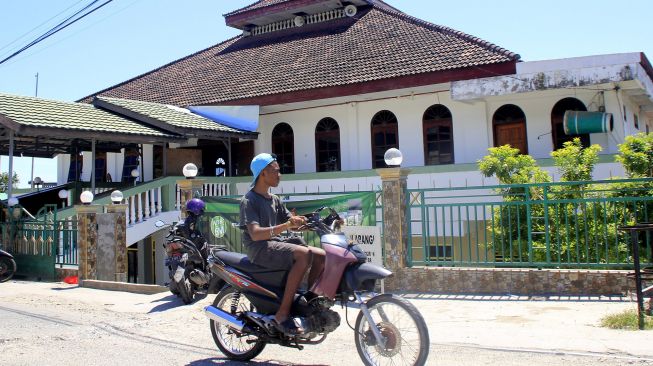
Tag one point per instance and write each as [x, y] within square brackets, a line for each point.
[272, 254]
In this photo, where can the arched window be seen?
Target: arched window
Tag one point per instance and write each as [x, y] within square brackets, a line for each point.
[438, 135]
[327, 145]
[384, 136]
[509, 127]
[558, 134]
[283, 145]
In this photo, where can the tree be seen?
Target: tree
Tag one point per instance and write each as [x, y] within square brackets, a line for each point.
[575, 162]
[511, 167]
[636, 155]
[4, 181]
[508, 227]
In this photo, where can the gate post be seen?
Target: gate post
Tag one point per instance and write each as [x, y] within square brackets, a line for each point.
[87, 237]
[188, 188]
[115, 232]
[395, 216]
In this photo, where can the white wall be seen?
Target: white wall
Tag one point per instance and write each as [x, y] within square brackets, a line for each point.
[148, 167]
[160, 270]
[114, 165]
[472, 125]
[63, 164]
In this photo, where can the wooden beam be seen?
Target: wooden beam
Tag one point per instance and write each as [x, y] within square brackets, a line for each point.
[100, 135]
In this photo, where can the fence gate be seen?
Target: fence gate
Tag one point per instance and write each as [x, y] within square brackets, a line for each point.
[39, 244]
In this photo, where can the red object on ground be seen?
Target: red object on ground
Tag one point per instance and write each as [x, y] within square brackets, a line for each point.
[72, 280]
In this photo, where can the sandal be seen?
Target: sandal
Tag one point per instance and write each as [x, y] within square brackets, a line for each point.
[288, 327]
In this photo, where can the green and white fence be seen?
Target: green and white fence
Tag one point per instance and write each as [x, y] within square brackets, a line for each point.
[552, 225]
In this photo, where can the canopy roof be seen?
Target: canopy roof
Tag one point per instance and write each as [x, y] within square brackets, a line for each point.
[170, 118]
[45, 128]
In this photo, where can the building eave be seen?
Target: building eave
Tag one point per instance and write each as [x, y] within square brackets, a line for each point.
[408, 81]
[543, 76]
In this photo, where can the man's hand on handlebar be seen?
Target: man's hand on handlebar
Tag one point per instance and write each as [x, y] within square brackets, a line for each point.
[296, 222]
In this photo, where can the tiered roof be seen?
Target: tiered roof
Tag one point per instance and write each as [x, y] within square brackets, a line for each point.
[380, 48]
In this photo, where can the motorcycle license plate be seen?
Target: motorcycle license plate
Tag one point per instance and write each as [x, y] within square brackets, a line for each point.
[179, 274]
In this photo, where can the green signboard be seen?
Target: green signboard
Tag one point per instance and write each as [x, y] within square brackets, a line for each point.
[222, 215]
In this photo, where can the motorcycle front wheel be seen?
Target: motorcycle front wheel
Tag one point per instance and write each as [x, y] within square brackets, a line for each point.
[232, 343]
[401, 325]
[7, 269]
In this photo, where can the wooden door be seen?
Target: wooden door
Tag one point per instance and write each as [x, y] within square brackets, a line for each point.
[513, 134]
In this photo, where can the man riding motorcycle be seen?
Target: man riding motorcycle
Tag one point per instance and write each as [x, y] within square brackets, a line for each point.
[263, 217]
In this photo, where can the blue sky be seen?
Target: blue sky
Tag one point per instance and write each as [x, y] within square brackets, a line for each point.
[129, 37]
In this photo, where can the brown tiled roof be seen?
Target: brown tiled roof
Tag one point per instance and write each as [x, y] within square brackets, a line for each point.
[380, 43]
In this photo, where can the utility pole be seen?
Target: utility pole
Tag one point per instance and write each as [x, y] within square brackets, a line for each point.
[36, 94]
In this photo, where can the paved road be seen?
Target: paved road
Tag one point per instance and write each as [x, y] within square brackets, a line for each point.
[59, 324]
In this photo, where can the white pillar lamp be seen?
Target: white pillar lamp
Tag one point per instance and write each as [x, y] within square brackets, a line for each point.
[116, 197]
[63, 195]
[86, 197]
[12, 201]
[393, 158]
[189, 171]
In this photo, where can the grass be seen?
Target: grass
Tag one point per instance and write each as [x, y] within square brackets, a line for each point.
[626, 320]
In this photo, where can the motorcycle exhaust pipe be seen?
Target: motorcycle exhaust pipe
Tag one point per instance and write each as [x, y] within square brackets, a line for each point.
[223, 317]
[199, 278]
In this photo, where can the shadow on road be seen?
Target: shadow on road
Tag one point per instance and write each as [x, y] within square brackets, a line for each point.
[512, 297]
[42, 317]
[172, 301]
[64, 288]
[224, 361]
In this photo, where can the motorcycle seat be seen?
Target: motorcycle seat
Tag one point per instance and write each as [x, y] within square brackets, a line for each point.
[274, 279]
[240, 262]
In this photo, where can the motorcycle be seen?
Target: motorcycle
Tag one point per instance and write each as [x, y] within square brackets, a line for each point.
[7, 266]
[187, 267]
[388, 329]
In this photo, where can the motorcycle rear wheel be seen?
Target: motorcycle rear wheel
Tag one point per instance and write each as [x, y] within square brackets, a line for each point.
[7, 269]
[403, 327]
[232, 343]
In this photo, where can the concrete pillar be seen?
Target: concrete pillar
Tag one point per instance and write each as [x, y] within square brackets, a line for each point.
[395, 220]
[112, 234]
[87, 237]
[188, 188]
[102, 243]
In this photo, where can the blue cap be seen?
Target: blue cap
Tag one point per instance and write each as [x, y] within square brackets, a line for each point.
[259, 163]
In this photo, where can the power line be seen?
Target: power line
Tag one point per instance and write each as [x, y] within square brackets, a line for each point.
[51, 31]
[54, 43]
[39, 26]
[61, 26]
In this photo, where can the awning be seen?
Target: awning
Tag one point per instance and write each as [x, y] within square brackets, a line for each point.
[241, 117]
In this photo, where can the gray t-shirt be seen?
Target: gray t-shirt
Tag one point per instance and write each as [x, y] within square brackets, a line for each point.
[266, 212]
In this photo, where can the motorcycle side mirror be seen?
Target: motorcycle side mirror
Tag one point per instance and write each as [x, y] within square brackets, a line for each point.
[159, 223]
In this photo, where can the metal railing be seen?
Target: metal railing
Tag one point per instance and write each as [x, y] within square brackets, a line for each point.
[552, 225]
[44, 236]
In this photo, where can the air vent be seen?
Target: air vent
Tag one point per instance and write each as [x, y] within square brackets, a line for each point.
[350, 10]
[300, 21]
